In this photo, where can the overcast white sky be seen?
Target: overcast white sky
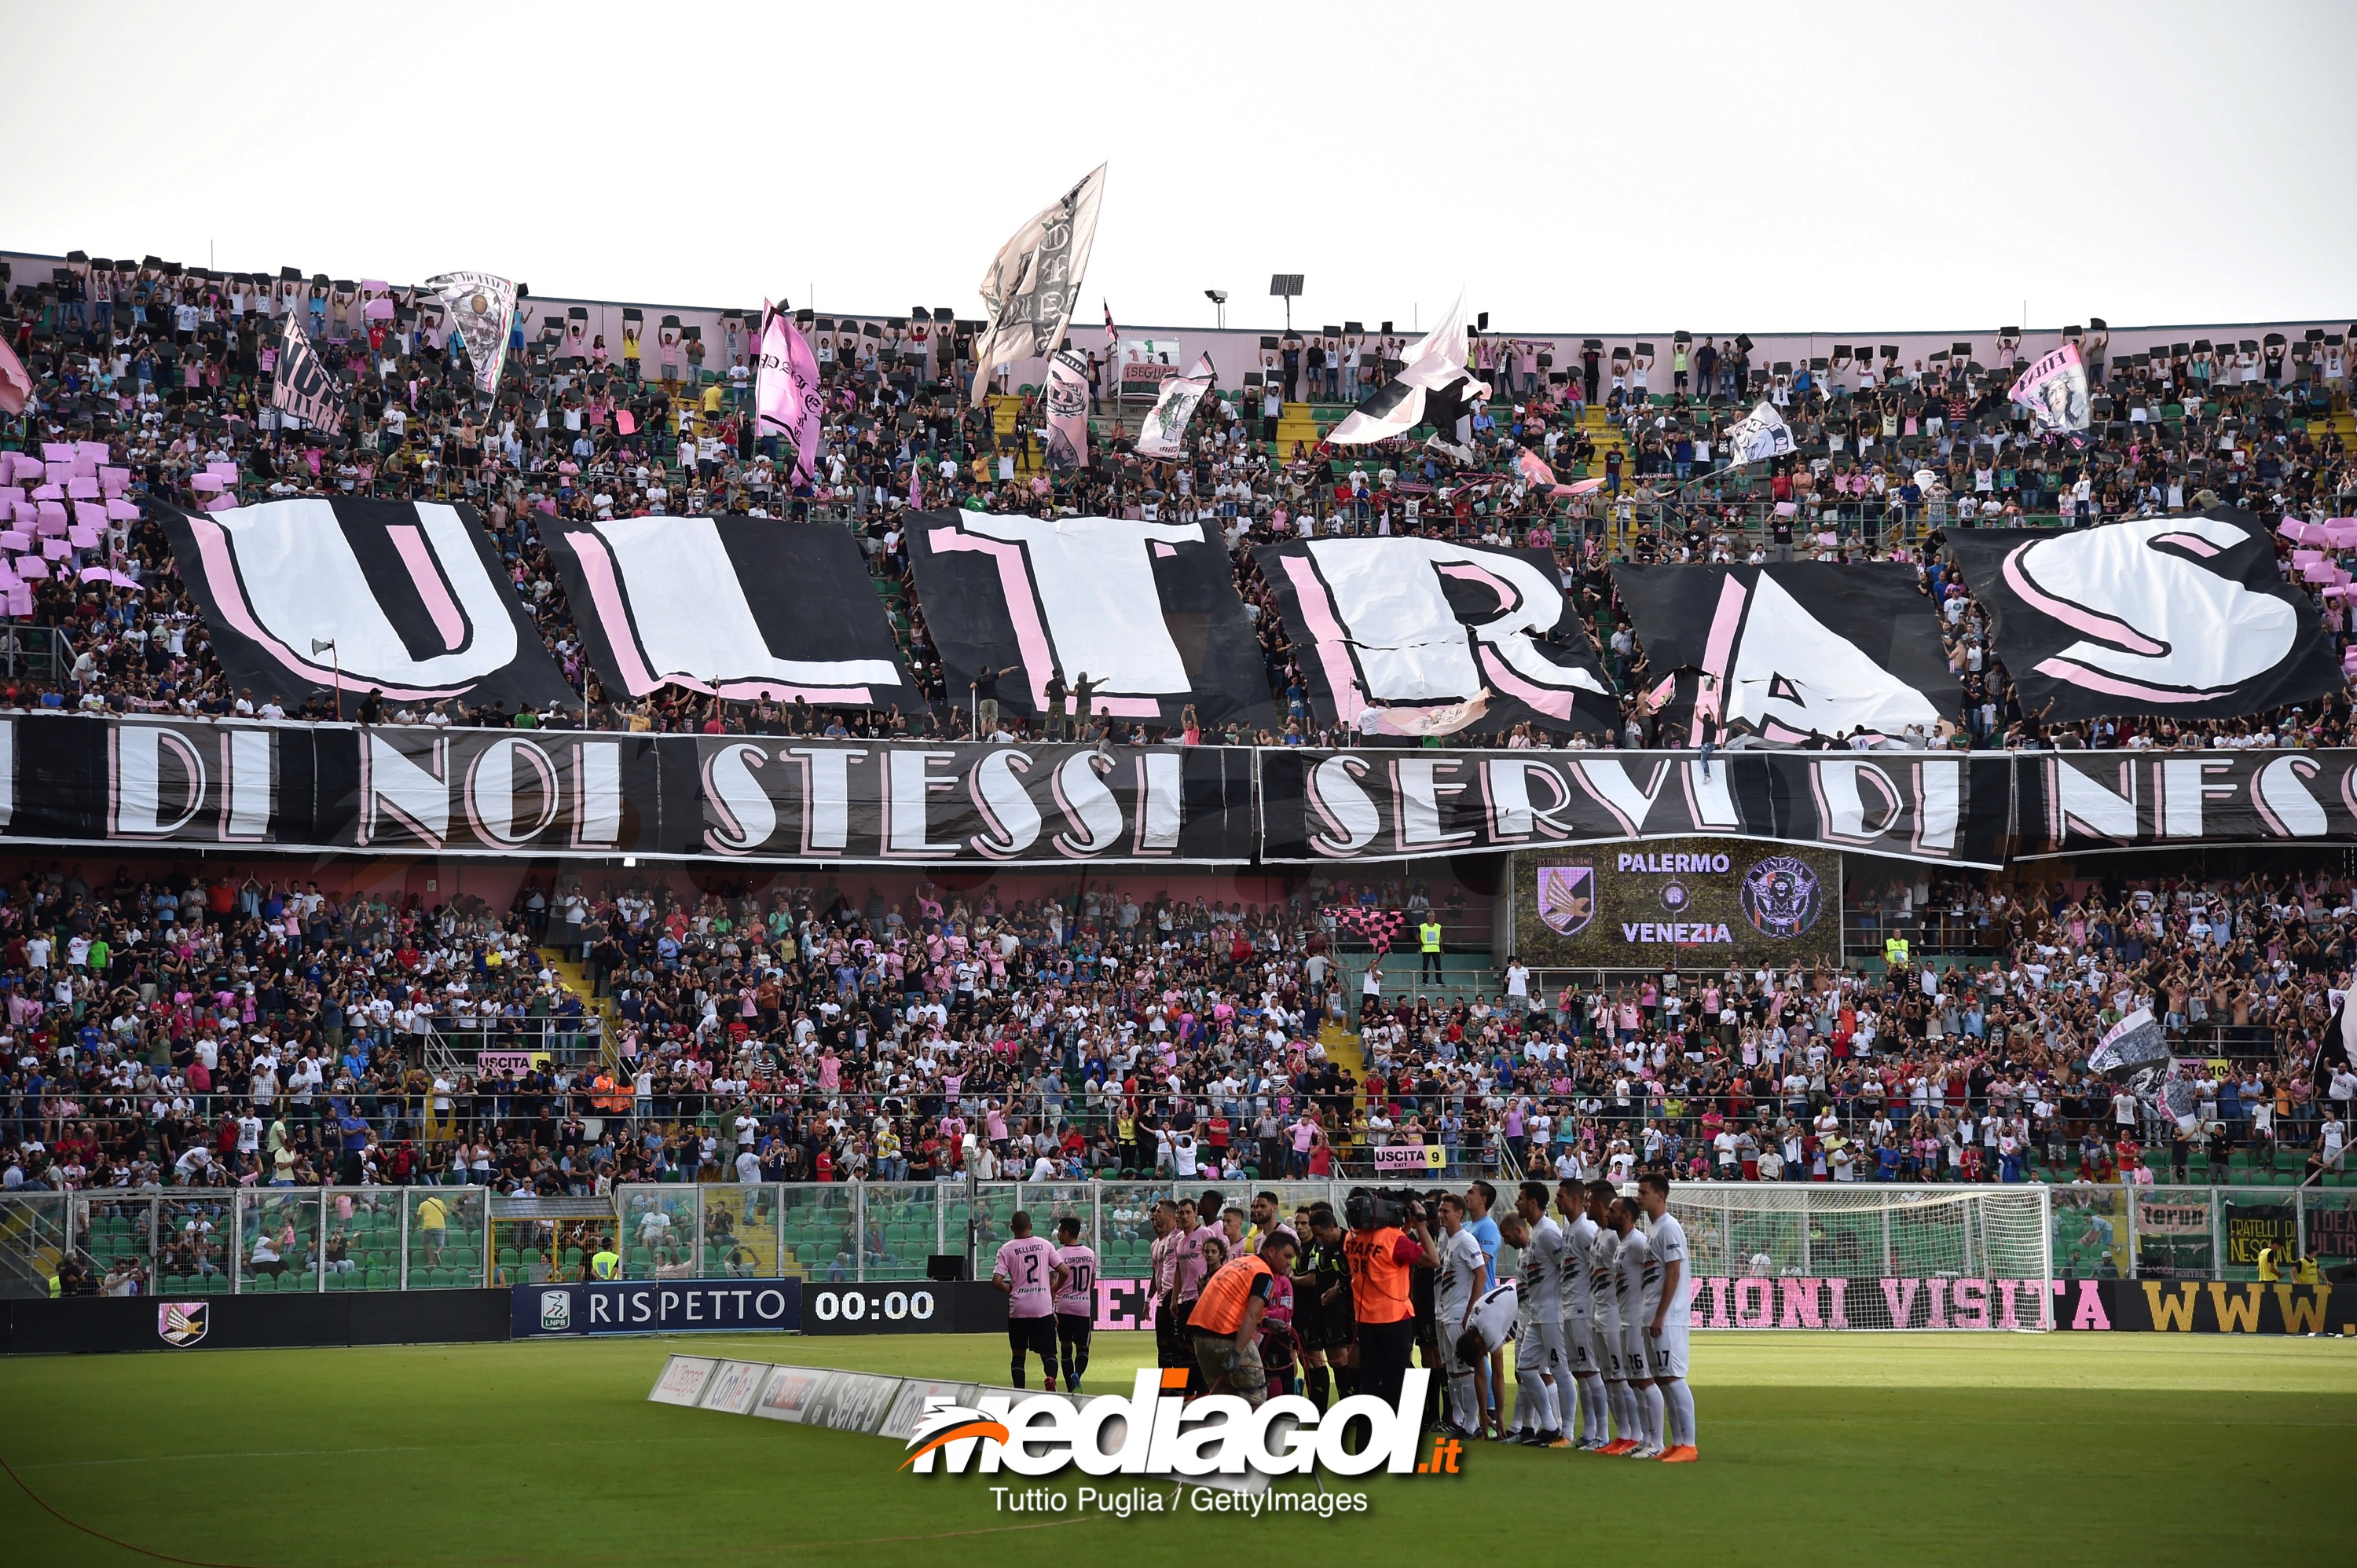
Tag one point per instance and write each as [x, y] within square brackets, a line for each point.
[1805, 165]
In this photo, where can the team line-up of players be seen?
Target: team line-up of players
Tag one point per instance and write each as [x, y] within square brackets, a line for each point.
[1319, 1306]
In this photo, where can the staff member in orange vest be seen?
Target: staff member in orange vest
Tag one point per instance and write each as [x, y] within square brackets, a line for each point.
[1379, 1254]
[1226, 1320]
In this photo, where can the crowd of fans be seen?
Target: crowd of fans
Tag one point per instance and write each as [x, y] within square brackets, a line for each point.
[167, 1032]
[167, 1029]
[171, 370]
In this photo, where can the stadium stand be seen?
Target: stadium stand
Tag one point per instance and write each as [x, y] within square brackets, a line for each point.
[180, 1034]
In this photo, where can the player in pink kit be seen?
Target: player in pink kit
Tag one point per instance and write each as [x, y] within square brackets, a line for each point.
[1076, 1299]
[1026, 1270]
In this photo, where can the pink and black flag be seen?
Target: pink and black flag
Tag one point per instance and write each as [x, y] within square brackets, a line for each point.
[1068, 411]
[786, 393]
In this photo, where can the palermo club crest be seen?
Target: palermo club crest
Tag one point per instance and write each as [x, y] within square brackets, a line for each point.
[1566, 897]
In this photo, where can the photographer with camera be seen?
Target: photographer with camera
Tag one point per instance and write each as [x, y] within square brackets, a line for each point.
[1390, 1235]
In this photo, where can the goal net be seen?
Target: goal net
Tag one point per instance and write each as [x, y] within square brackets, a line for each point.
[1800, 1255]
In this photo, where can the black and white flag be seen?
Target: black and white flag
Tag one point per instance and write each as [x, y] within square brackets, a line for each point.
[1757, 436]
[1146, 611]
[2336, 1052]
[1163, 431]
[1035, 280]
[2180, 616]
[1797, 650]
[2129, 1046]
[401, 598]
[301, 388]
[1415, 636]
[1432, 388]
[481, 307]
[751, 608]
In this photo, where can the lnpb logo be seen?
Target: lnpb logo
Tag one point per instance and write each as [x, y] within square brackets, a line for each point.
[181, 1324]
[556, 1311]
[1566, 897]
[1165, 1435]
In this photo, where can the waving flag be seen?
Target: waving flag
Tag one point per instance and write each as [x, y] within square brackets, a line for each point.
[1034, 278]
[1068, 411]
[15, 386]
[481, 307]
[302, 387]
[1760, 435]
[1161, 435]
[1112, 337]
[786, 395]
[1433, 388]
[2054, 389]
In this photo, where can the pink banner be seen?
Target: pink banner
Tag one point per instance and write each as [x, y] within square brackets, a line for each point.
[2054, 389]
[786, 395]
[15, 386]
[1068, 411]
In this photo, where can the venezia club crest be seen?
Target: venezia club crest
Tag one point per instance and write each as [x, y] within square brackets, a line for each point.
[181, 1324]
[1781, 897]
[1566, 897]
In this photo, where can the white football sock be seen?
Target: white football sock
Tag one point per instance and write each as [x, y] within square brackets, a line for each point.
[1592, 1407]
[1649, 1413]
[1682, 1412]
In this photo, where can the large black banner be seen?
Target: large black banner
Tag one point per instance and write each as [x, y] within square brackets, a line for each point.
[751, 607]
[66, 778]
[981, 804]
[2069, 803]
[1400, 637]
[1406, 804]
[2182, 616]
[547, 793]
[1146, 611]
[403, 598]
[1798, 650]
[75, 780]
[488, 791]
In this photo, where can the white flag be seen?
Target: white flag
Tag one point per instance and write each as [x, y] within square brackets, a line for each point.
[1759, 434]
[1162, 435]
[1035, 280]
[1433, 387]
[482, 310]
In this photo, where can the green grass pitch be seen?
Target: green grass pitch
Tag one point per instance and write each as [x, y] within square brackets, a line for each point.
[1817, 1448]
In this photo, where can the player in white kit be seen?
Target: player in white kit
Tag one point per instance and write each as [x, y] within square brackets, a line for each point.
[1463, 1273]
[1496, 1317]
[1668, 1321]
[1604, 1323]
[1578, 1337]
[1541, 1367]
[1631, 1262]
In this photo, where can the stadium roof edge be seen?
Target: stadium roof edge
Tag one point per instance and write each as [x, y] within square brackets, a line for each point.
[1175, 329]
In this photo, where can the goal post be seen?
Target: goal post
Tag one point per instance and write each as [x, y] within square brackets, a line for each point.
[1866, 1256]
